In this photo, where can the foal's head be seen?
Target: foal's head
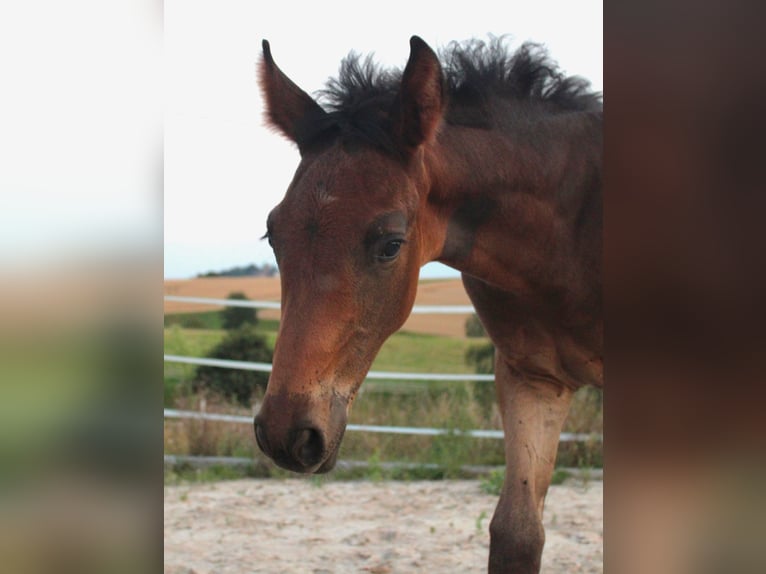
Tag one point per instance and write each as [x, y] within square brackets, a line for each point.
[349, 236]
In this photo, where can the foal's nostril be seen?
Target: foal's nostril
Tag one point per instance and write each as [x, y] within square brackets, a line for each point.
[260, 438]
[308, 448]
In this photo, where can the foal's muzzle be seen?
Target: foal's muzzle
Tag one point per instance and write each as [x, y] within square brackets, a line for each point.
[302, 451]
[307, 444]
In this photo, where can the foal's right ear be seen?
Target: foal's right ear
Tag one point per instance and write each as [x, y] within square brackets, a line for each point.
[288, 108]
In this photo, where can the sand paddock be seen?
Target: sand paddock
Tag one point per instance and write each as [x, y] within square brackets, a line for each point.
[298, 526]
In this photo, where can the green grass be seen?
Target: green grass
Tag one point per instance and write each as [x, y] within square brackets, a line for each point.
[425, 404]
[191, 342]
[418, 353]
[187, 343]
[202, 320]
[211, 320]
[403, 352]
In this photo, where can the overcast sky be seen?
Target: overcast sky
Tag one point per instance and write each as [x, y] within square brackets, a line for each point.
[224, 170]
[91, 112]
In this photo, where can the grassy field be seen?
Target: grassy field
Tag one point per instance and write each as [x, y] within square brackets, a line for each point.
[450, 405]
[404, 352]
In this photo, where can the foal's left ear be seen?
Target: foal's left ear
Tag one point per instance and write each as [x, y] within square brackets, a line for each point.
[289, 109]
[418, 108]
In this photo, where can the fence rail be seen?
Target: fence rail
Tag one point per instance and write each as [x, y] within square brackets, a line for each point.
[416, 310]
[421, 431]
[380, 375]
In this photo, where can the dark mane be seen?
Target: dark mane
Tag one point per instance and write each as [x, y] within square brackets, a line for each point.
[475, 73]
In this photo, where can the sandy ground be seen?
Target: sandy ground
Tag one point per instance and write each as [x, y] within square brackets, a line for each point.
[296, 526]
[434, 292]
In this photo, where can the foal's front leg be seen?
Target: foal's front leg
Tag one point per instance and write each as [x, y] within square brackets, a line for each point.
[533, 413]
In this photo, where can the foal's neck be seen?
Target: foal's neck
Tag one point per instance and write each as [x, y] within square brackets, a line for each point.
[520, 209]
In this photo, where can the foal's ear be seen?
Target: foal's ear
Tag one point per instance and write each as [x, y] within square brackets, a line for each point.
[418, 107]
[288, 108]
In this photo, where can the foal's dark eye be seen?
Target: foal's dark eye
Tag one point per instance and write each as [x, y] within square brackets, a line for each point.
[390, 250]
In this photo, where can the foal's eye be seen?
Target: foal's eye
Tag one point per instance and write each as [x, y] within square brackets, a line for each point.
[390, 250]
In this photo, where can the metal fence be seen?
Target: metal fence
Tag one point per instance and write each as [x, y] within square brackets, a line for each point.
[379, 375]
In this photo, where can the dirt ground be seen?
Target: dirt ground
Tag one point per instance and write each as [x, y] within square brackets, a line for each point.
[432, 292]
[298, 526]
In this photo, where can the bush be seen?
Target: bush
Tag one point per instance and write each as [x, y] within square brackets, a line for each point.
[242, 344]
[235, 317]
[482, 357]
[474, 328]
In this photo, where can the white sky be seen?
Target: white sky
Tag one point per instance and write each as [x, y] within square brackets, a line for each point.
[224, 170]
[86, 94]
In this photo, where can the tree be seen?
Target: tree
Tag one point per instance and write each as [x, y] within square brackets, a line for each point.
[235, 317]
